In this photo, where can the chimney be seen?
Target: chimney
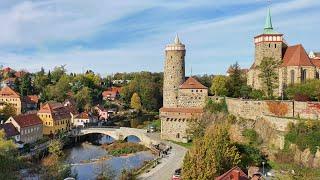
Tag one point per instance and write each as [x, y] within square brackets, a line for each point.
[235, 175]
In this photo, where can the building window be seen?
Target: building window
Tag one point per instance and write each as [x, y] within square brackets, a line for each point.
[275, 45]
[269, 45]
[303, 75]
[292, 77]
[178, 135]
[317, 75]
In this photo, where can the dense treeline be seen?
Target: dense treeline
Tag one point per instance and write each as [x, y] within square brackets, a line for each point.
[148, 86]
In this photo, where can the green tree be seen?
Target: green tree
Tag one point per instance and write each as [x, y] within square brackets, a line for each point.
[8, 111]
[305, 91]
[218, 87]
[83, 99]
[9, 162]
[268, 75]
[211, 155]
[236, 81]
[136, 102]
[25, 86]
[58, 72]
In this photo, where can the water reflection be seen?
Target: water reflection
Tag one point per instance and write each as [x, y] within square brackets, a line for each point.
[84, 159]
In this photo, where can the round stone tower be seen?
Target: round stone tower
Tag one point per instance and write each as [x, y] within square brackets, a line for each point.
[174, 72]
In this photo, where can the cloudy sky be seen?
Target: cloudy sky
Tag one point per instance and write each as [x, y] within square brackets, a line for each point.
[130, 35]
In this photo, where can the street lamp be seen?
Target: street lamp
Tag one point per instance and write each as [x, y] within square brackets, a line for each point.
[263, 167]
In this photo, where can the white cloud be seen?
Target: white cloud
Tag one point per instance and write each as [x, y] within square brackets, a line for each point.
[212, 45]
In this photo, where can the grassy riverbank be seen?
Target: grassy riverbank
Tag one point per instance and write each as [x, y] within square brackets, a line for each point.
[119, 148]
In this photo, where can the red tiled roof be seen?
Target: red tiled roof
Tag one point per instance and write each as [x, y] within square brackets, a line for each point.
[8, 92]
[192, 83]
[316, 62]
[32, 99]
[232, 173]
[9, 130]
[111, 92]
[296, 56]
[83, 115]
[26, 120]
[182, 110]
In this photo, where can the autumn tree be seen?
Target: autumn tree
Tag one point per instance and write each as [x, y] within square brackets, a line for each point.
[211, 155]
[218, 87]
[53, 164]
[268, 75]
[136, 102]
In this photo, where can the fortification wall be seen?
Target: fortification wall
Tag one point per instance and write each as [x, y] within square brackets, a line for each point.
[251, 109]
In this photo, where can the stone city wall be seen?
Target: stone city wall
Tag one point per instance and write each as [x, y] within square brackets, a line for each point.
[252, 109]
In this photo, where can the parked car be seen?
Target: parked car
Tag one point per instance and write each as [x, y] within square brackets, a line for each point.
[177, 174]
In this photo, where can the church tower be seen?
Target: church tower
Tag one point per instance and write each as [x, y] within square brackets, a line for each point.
[268, 44]
[174, 72]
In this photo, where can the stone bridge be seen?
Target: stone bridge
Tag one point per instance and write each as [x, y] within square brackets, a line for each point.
[121, 134]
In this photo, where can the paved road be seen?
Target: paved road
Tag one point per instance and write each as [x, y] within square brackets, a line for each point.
[168, 165]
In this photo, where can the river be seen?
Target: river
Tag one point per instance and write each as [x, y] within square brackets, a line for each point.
[85, 159]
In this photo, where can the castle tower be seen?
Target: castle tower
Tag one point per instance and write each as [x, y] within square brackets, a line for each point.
[174, 72]
[268, 44]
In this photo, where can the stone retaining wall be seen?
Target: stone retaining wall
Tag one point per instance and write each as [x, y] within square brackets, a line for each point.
[252, 109]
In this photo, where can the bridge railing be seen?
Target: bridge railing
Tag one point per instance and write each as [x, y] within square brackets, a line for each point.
[113, 127]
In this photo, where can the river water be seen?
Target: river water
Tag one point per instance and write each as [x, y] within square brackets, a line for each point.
[85, 159]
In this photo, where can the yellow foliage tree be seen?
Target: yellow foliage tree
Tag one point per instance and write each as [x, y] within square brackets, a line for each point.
[211, 155]
[136, 101]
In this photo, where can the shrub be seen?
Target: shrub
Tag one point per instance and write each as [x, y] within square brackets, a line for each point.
[215, 107]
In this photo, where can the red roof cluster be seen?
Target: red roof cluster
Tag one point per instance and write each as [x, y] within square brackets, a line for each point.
[83, 115]
[192, 83]
[26, 120]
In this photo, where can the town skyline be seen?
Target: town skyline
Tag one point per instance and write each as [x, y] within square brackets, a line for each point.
[133, 39]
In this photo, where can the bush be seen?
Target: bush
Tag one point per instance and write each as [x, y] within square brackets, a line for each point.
[305, 135]
[256, 94]
[215, 107]
[250, 156]
[305, 91]
[251, 135]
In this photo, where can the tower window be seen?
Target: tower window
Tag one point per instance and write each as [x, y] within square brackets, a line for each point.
[269, 45]
[275, 45]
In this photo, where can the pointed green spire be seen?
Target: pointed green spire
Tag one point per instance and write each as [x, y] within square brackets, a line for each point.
[268, 29]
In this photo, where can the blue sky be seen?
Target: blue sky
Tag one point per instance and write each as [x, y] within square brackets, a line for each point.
[110, 36]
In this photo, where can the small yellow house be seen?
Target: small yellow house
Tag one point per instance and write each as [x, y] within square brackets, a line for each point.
[55, 118]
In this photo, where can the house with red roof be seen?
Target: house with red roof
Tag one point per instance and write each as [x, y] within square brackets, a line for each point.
[55, 118]
[233, 174]
[102, 112]
[295, 65]
[111, 94]
[31, 102]
[83, 118]
[29, 127]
